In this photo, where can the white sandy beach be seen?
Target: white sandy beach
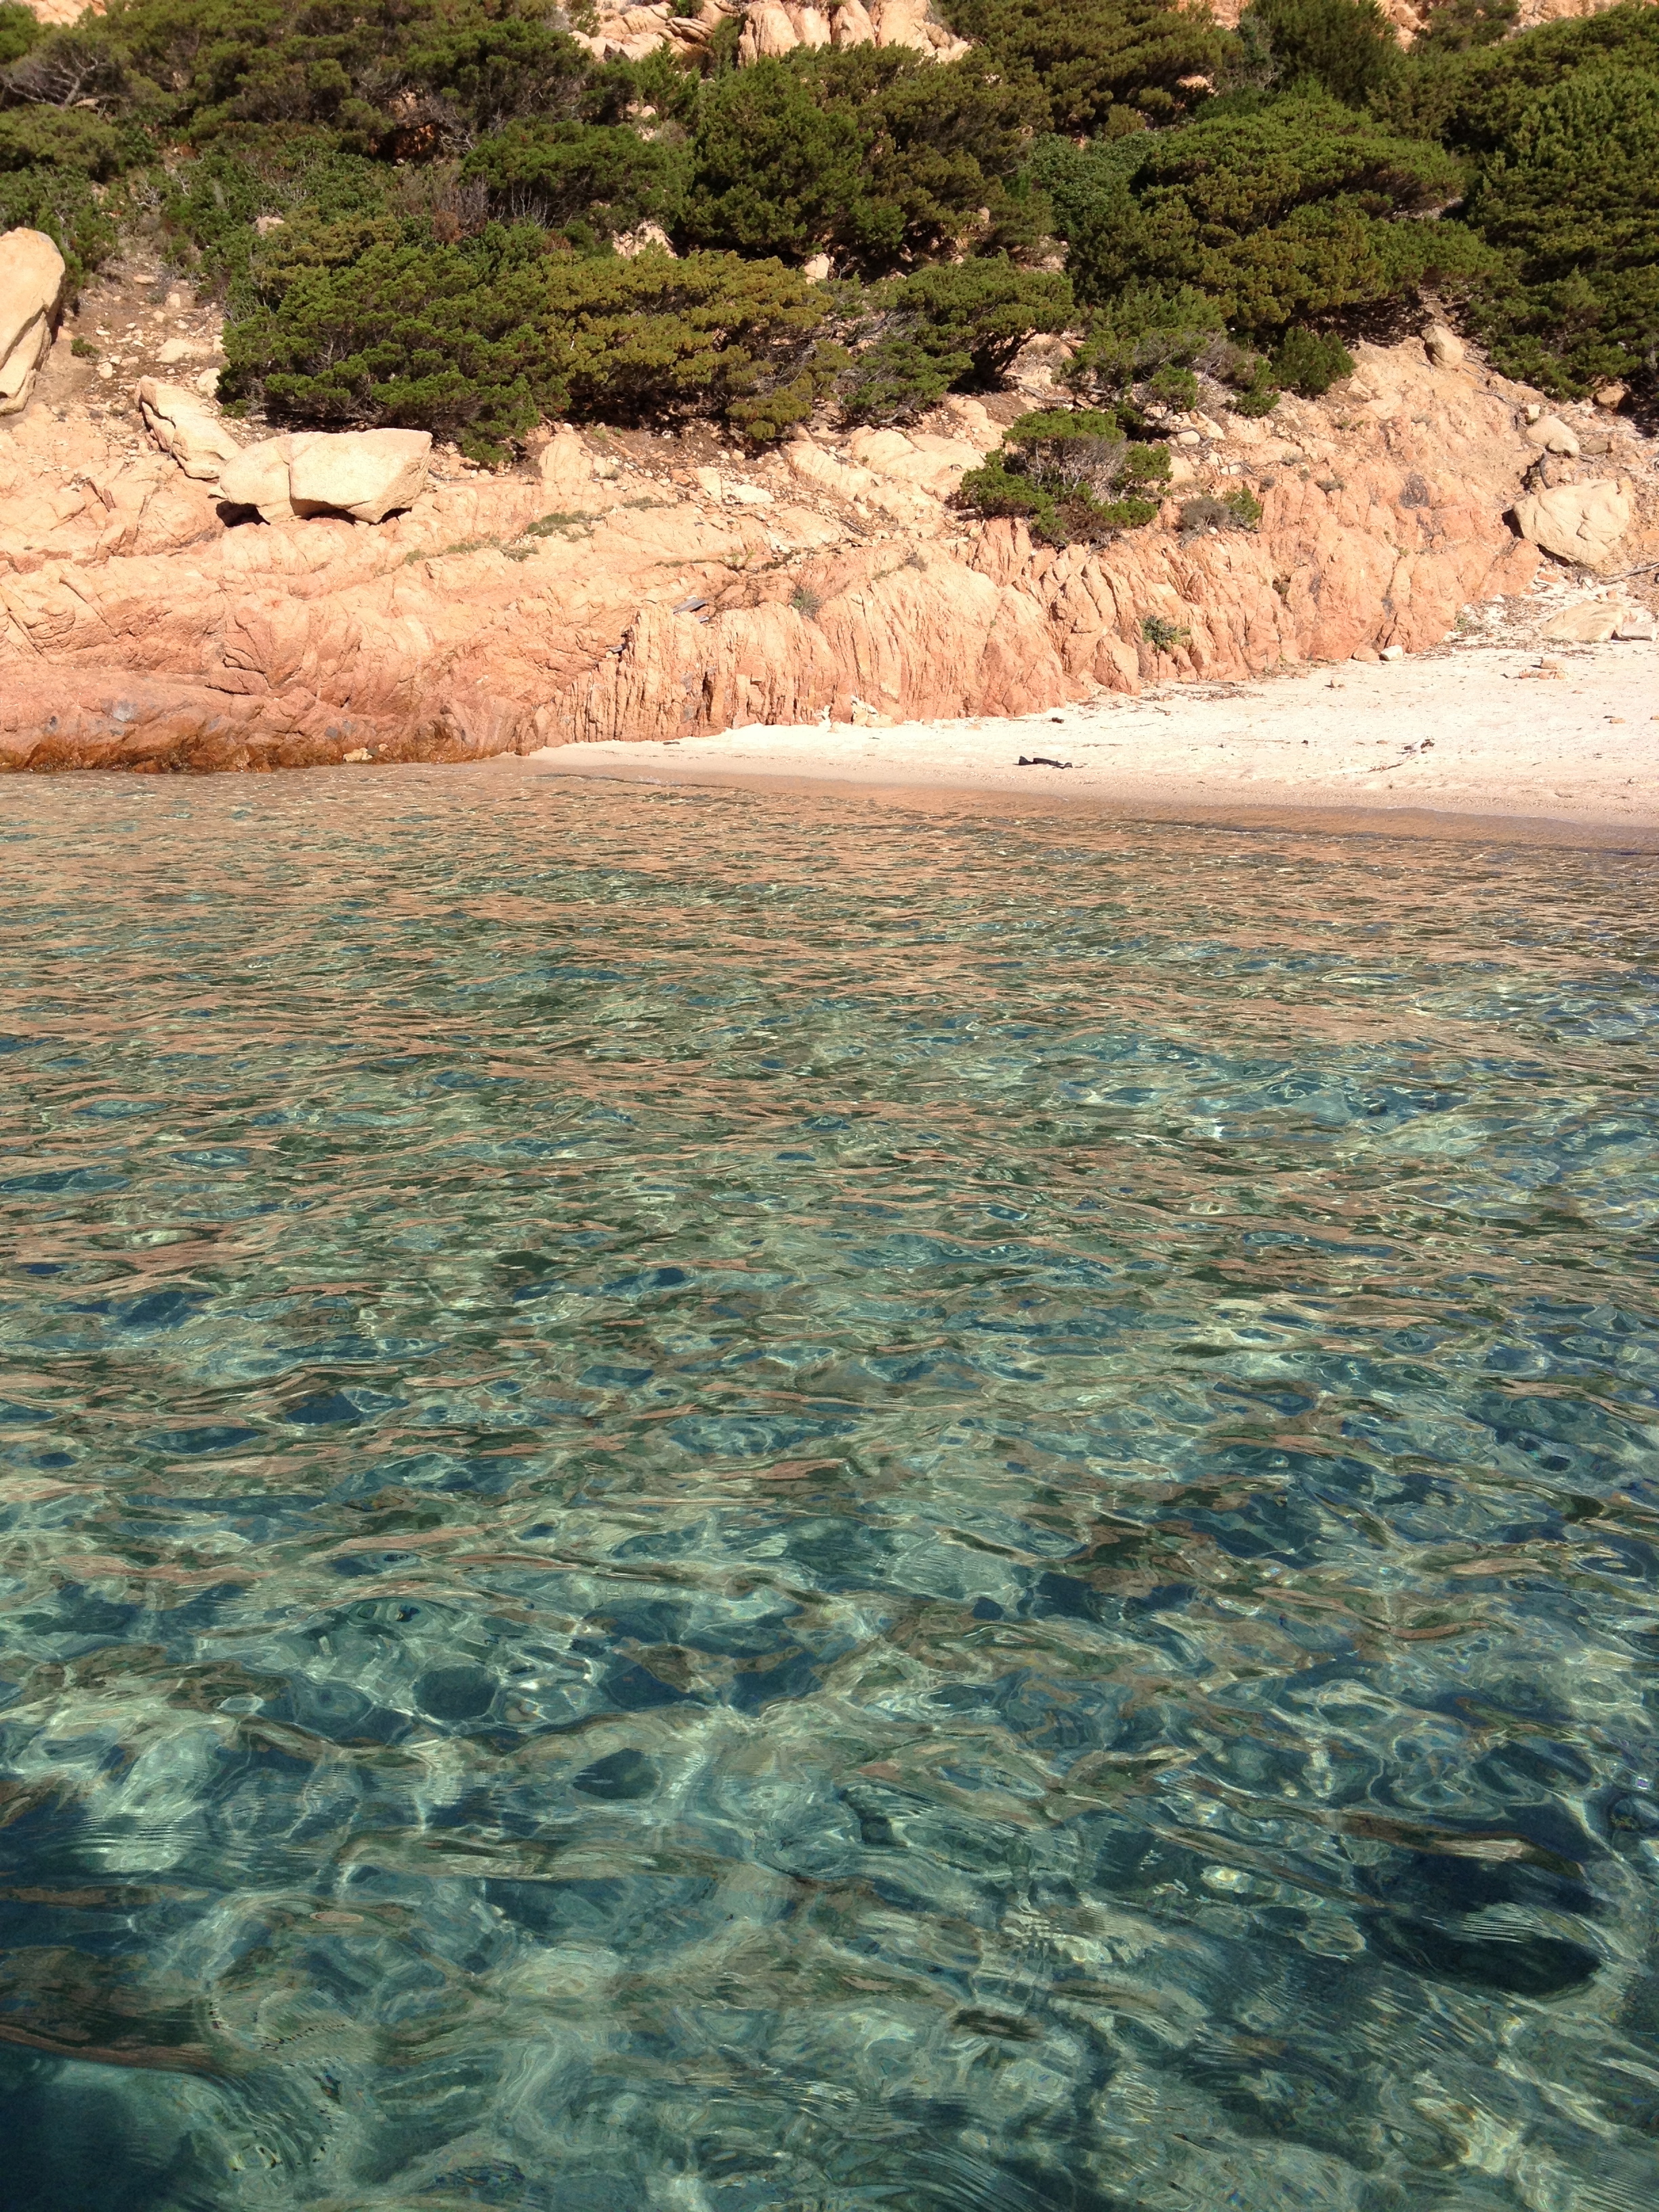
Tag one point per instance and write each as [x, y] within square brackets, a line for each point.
[1444, 743]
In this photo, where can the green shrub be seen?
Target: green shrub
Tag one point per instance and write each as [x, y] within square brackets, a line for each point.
[943, 146]
[366, 322]
[51, 137]
[1473, 102]
[72, 68]
[1572, 202]
[1162, 634]
[1145, 332]
[406, 79]
[1093, 58]
[897, 378]
[1172, 386]
[490, 67]
[1309, 362]
[62, 204]
[869, 152]
[373, 321]
[987, 308]
[708, 334]
[1291, 215]
[1456, 26]
[1071, 474]
[20, 29]
[1347, 48]
[602, 174]
[1258, 397]
[961, 325]
[211, 204]
[773, 171]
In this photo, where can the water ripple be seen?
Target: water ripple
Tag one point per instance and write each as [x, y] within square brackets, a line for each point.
[717, 1504]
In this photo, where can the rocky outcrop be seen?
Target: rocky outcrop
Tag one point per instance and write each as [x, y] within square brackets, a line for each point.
[622, 586]
[363, 474]
[30, 297]
[771, 29]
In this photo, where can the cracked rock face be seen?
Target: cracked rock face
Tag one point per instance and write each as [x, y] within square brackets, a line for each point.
[626, 586]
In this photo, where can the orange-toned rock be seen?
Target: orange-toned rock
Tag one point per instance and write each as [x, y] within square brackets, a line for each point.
[581, 600]
[770, 28]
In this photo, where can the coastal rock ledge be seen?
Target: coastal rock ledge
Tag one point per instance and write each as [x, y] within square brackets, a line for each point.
[608, 590]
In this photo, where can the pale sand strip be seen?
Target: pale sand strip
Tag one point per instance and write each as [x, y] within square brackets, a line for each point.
[1572, 758]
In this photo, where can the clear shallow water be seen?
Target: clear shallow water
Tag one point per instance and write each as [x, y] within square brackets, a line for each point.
[720, 1504]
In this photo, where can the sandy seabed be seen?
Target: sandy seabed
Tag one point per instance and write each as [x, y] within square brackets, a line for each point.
[1476, 738]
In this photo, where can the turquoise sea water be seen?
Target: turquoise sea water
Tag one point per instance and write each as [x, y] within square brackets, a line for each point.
[721, 1503]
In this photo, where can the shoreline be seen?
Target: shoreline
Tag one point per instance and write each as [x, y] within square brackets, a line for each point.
[1514, 751]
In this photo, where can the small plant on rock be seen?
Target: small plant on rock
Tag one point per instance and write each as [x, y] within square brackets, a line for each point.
[1162, 634]
[1071, 474]
[1239, 509]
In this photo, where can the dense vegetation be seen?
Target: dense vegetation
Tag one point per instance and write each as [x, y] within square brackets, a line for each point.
[411, 208]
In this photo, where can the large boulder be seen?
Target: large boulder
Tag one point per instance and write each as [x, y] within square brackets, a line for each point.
[31, 296]
[259, 478]
[184, 424]
[367, 474]
[364, 474]
[1576, 522]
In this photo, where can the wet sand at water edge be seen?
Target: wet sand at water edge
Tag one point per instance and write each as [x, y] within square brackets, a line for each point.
[1553, 742]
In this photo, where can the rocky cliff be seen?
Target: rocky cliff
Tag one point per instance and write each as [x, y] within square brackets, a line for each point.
[631, 586]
